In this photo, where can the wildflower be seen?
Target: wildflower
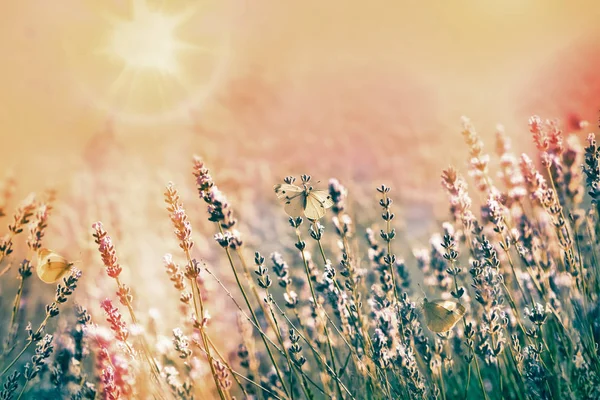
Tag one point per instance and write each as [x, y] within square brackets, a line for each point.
[192, 270]
[509, 169]
[537, 314]
[296, 349]
[181, 343]
[338, 194]
[264, 280]
[539, 135]
[36, 231]
[110, 390]
[43, 350]
[23, 214]
[281, 269]
[460, 201]
[114, 318]
[21, 218]
[175, 274]
[107, 251]
[222, 374]
[183, 228]
[8, 189]
[219, 208]
[536, 375]
[535, 182]
[572, 160]
[10, 386]
[478, 163]
[591, 168]
[231, 239]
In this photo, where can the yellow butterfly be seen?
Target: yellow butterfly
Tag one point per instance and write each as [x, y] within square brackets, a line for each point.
[51, 267]
[303, 201]
[442, 315]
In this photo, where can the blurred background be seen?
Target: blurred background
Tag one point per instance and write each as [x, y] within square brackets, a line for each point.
[108, 100]
[290, 83]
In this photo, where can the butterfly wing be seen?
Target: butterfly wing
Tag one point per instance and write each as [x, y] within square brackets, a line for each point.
[294, 207]
[317, 202]
[286, 191]
[293, 197]
[442, 315]
[323, 197]
[51, 267]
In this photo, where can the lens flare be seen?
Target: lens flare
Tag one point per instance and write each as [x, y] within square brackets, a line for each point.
[148, 40]
[154, 63]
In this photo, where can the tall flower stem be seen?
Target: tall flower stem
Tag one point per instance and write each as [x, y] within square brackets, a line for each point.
[254, 318]
[199, 310]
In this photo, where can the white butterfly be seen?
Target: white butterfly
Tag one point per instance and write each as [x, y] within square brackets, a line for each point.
[303, 201]
[442, 315]
[51, 267]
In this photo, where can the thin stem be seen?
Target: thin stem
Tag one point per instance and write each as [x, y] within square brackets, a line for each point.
[6, 269]
[260, 331]
[485, 396]
[388, 225]
[210, 342]
[468, 381]
[145, 348]
[234, 372]
[198, 302]
[248, 304]
[8, 242]
[29, 342]
[288, 357]
[322, 360]
[517, 280]
[17, 304]
[520, 383]
[315, 299]
[9, 366]
[443, 387]
[22, 390]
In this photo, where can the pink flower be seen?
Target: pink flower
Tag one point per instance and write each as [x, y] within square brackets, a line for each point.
[110, 391]
[114, 318]
[107, 251]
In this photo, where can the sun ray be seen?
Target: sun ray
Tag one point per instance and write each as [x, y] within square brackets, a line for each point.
[147, 40]
[161, 89]
[197, 48]
[155, 60]
[118, 83]
[132, 84]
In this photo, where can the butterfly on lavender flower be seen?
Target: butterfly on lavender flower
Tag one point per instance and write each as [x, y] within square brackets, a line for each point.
[305, 201]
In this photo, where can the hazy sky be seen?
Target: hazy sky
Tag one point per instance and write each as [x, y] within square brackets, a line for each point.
[63, 75]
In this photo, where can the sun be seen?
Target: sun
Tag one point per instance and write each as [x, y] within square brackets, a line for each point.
[154, 61]
[147, 40]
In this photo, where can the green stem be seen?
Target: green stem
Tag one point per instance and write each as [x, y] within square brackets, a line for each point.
[22, 390]
[9, 366]
[255, 319]
[17, 304]
[198, 303]
[321, 359]
[468, 381]
[288, 357]
[145, 348]
[231, 371]
[485, 396]
[315, 299]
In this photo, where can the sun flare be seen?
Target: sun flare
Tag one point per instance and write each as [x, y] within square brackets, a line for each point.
[155, 62]
[148, 40]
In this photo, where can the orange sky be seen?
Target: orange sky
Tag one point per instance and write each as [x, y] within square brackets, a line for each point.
[414, 64]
